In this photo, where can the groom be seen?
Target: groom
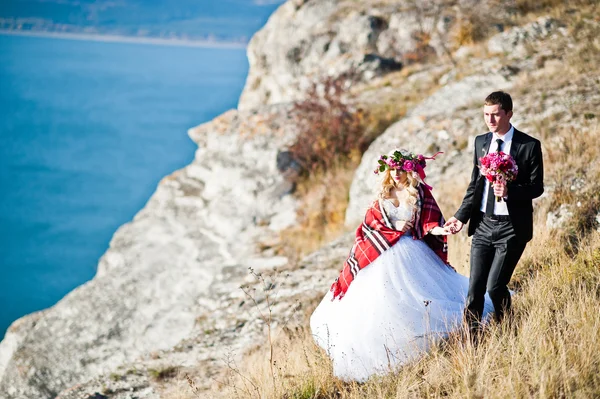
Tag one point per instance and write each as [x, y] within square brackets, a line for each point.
[500, 230]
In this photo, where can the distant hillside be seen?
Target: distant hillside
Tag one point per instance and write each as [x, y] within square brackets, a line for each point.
[231, 20]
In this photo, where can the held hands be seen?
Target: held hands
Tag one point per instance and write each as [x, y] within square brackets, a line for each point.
[440, 231]
[453, 225]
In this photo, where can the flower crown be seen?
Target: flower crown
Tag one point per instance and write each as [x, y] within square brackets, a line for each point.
[405, 161]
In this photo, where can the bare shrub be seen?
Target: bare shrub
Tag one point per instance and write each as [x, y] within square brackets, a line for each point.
[333, 133]
[330, 128]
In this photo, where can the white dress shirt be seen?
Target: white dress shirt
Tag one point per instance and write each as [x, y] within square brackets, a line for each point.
[499, 207]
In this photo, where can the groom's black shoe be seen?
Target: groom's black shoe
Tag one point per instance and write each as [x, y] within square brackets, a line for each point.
[471, 320]
[473, 335]
[472, 327]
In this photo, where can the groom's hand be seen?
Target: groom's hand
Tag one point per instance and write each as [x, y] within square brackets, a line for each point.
[454, 225]
[500, 190]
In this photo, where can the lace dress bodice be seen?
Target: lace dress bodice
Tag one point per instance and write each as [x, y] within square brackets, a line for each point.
[395, 213]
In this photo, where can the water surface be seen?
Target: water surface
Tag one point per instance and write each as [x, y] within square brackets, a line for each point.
[87, 130]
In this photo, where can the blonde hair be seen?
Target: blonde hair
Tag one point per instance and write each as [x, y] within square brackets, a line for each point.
[388, 184]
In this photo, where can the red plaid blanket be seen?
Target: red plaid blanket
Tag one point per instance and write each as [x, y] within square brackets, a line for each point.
[376, 234]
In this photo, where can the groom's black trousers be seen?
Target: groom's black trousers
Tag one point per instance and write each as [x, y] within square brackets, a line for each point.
[495, 252]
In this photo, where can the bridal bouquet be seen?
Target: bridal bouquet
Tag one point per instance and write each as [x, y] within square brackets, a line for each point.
[498, 167]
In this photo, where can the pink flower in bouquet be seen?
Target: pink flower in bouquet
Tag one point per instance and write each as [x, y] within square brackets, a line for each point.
[485, 162]
[498, 167]
[409, 166]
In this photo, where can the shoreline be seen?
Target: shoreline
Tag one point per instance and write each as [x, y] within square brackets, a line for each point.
[125, 39]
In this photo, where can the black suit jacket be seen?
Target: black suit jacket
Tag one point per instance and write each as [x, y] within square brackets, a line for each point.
[529, 184]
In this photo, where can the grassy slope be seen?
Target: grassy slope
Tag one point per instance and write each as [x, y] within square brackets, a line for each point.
[551, 349]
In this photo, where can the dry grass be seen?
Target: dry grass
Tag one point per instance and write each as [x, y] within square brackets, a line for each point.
[529, 6]
[550, 349]
[321, 212]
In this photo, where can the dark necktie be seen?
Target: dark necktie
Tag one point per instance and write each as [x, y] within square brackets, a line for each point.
[489, 207]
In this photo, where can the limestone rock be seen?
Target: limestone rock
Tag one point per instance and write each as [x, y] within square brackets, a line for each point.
[515, 40]
[305, 41]
[560, 218]
[15, 335]
[229, 324]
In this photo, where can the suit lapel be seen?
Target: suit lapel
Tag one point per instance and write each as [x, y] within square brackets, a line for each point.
[480, 182]
[483, 150]
[486, 144]
[516, 143]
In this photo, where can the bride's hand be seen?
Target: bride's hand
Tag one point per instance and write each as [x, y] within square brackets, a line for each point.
[403, 226]
[440, 231]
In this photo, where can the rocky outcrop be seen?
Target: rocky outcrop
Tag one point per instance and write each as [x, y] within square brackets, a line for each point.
[229, 324]
[304, 41]
[201, 219]
[514, 41]
[559, 218]
[14, 336]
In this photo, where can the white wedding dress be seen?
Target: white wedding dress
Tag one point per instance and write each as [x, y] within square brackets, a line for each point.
[393, 310]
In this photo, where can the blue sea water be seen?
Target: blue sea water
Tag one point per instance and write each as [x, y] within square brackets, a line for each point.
[87, 130]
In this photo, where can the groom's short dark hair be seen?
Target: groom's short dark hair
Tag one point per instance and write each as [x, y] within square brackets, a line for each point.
[502, 98]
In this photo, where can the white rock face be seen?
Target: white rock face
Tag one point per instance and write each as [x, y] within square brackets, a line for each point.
[279, 53]
[560, 218]
[228, 324]
[304, 41]
[202, 218]
[515, 40]
[14, 336]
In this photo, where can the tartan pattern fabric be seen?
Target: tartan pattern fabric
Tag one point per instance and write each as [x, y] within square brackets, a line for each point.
[376, 234]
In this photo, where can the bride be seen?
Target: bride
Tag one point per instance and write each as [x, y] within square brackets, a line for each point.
[379, 317]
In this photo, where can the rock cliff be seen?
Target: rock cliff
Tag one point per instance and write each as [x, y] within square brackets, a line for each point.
[201, 220]
[305, 41]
